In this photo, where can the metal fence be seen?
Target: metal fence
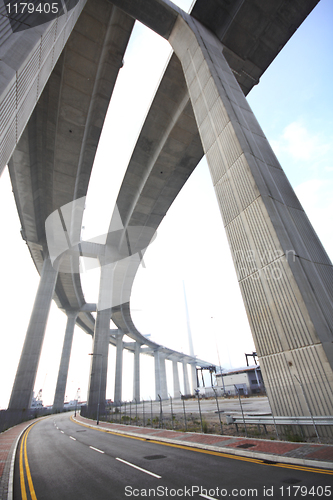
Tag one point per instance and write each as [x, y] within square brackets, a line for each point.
[207, 416]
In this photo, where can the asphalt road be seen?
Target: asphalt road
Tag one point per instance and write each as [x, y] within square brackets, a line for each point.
[58, 459]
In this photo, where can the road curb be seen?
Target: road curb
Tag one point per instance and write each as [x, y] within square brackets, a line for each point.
[243, 453]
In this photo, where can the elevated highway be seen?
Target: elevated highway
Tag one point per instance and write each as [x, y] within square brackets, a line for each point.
[51, 165]
[70, 113]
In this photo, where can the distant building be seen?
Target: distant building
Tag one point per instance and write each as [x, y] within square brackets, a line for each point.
[245, 381]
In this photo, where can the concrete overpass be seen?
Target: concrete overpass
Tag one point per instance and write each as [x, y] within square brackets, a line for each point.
[203, 111]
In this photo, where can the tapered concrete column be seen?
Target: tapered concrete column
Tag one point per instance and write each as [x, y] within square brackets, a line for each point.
[99, 362]
[285, 276]
[160, 376]
[193, 377]
[119, 368]
[157, 374]
[187, 390]
[175, 373]
[27, 369]
[136, 372]
[59, 397]
[163, 378]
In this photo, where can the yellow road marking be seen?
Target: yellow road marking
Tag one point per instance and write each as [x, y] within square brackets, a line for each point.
[303, 468]
[209, 452]
[22, 482]
[24, 463]
[27, 468]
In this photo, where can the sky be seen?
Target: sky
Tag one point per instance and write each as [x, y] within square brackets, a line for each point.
[293, 103]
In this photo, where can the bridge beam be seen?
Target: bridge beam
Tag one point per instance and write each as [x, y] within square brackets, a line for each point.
[59, 397]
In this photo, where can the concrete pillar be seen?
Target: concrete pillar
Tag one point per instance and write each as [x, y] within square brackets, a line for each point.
[193, 377]
[59, 397]
[175, 373]
[187, 390]
[136, 372]
[119, 368]
[157, 374]
[285, 275]
[163, 377]
[160, 376]
[99, 363]
[27, 369]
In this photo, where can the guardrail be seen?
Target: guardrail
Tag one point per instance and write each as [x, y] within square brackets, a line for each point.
[279, 420]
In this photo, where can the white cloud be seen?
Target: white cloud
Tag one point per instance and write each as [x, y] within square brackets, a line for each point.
[300, 143]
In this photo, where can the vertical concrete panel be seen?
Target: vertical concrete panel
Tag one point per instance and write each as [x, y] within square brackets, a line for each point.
[289, 303]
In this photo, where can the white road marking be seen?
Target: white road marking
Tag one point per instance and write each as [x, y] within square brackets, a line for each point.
[96, 449]
[206, 496]
[139, 468]
[62, 432]
[70, 437]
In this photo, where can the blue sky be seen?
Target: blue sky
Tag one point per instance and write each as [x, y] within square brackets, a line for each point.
[293, 103]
